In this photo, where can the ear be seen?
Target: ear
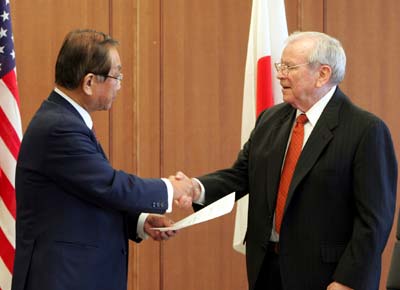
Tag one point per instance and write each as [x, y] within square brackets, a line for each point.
[325, 72]
[87, 84]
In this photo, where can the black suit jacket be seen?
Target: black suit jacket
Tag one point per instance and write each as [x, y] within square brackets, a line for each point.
[75, 212]
[340, 204]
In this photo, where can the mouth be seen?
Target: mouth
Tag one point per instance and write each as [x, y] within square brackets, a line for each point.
[283, 85]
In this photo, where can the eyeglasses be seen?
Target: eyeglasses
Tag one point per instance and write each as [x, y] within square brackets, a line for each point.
[119, 77]
[285, 69]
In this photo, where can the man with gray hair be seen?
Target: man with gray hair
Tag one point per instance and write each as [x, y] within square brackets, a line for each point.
[321, 174]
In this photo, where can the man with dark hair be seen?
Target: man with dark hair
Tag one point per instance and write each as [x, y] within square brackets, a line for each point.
[75, 213]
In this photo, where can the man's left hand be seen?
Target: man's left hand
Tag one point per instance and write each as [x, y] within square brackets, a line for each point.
[338, 286]
[158, 221]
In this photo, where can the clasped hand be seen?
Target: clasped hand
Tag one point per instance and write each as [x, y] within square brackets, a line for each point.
[186, 190]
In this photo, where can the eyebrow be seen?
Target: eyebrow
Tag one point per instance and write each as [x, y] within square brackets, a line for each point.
[288, 63]
[118, 67]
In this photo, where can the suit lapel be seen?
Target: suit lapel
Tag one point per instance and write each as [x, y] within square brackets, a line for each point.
[280, 133]
[320, 137]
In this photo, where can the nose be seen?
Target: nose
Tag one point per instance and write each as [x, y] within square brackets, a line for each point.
[118, 85]
[280, 75]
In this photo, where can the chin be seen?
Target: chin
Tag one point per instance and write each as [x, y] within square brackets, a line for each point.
[290, 100]
[287, 98]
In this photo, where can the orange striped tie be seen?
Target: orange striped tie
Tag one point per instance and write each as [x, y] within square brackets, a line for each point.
[292, 155]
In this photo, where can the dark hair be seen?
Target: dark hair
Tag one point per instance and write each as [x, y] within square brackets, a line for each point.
[83, 51]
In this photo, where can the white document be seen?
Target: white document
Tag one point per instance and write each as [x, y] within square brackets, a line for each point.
[214, 210]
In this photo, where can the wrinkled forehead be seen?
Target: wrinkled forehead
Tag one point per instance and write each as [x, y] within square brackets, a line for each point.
[298, 50]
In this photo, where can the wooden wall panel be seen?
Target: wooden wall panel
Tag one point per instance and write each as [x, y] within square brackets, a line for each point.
[38, 35]
[204, 53]
[292, 14]
[124, 113]
[135, 119]
[304, 15]
[311, 15]
[148, 109]
[123, 116]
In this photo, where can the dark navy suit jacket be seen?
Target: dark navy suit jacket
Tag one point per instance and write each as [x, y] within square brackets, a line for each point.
[393, 280]
[341, 200]
[75, 213]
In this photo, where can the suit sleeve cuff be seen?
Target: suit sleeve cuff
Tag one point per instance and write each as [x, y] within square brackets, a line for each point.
[201, 200]
[140, 226]
[170, 191]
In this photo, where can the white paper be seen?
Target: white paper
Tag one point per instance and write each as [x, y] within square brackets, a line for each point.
[212, 211]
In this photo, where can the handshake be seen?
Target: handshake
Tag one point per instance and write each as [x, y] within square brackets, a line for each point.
[186, 190]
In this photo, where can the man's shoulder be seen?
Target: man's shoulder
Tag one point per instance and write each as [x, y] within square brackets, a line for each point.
[354, 111]
[276, 113]
[49, 117]
[353, 118]
[58, 109]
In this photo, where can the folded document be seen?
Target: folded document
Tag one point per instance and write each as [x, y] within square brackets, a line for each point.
[212, 211]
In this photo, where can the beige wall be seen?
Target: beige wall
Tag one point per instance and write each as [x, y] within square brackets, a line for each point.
[180, 105]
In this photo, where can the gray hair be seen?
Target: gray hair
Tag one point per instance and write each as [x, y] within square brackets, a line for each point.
[327, 50]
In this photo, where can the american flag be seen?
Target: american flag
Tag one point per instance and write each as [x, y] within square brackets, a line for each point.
[10, 140]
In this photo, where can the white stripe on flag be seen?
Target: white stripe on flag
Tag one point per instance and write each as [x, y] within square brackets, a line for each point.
[250, 82]
[5, 277]
[10, 108]
[7, 162]
[268, 31]
[7, 223]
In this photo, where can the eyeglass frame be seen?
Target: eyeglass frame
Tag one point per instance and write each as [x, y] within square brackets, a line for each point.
[285, 69]
[120, 77]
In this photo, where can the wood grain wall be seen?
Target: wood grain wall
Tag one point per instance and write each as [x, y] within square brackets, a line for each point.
[180, 103]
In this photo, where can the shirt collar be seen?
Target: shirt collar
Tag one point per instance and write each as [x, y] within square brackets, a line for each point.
[315, 111]
[84, 114]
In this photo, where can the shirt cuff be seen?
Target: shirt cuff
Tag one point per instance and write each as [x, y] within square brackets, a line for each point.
[170, 191]
[140, 226]
[202, 197]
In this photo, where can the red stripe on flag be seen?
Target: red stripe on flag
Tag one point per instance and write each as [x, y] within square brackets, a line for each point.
[6, 251]
[265, 97]
[10, 79]
[8, 134]
[7, 193]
